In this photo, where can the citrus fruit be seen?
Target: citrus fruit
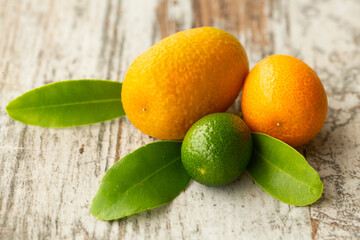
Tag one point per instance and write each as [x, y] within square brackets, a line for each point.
[284, 98]
[217, 149]
[182, 78]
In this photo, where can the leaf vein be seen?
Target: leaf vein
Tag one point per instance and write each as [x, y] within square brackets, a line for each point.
[66, 104]
[280, 170]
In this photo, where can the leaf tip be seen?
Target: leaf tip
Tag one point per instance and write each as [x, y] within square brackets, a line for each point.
[8, 109]
[94, 211]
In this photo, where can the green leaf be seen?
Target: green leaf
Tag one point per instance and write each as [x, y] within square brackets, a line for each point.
[68, 103]
[283, 172]
[151, 176]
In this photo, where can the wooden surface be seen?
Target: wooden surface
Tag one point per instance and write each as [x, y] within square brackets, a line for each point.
[48, 177]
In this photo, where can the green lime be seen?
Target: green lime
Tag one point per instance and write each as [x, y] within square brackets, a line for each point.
[217, 149]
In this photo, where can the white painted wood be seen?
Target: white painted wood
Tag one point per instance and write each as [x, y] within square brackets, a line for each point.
[48, 177]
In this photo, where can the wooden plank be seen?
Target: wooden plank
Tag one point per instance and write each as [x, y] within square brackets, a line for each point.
[326, 35]
[49, 176]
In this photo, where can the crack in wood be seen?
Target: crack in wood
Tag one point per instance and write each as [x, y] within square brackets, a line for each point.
[314, 225]
[19, 157]
[118, 141]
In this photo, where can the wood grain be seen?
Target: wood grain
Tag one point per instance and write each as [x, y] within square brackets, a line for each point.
[48, 177]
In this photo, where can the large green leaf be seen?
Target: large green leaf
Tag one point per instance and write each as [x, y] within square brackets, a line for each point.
[68, 103]
[283, 172]
[149, 177]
